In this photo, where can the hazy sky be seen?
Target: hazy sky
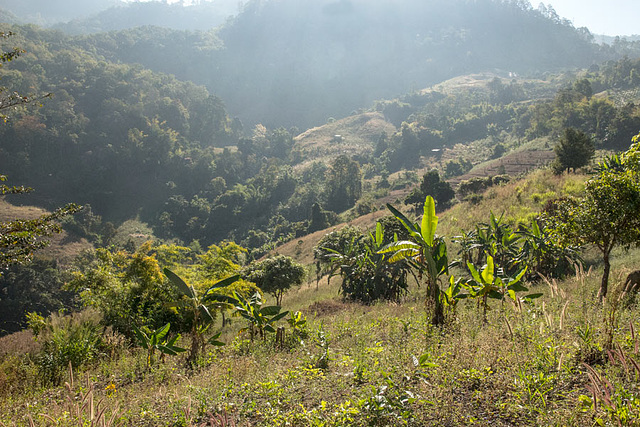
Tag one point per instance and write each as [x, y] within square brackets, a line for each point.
[609, 17]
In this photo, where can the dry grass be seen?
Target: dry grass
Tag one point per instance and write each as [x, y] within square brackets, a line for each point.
[520, 200]
[514, 164]
[473, 373]
[359, 134]
[64, 247]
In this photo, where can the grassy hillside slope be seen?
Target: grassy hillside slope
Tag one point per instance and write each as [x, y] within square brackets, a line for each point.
[356, 365]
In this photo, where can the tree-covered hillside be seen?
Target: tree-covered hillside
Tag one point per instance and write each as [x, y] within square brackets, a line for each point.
[131, 142]
[197, 16]
[115, 136]
[45, 12]
[297, 63]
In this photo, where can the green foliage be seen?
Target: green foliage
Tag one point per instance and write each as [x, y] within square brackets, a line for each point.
[457, 167]
[127, 288]
[366, 276]
[432, 186]
[260, 319]
[488, 284]
[298, 323]
[13, 99]
[532, 247]
[90, 226]
[20, 238]
[606, 215]
[66, 340]
[197, 306]
[34, 287]
[542, 254]
[335, 241]
[574, 150]
[479, 184]
[157, 340]
[425, 252]
[320, 218]
[275, 275]
[344, 184]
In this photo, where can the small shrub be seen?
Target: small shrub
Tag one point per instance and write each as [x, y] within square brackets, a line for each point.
[74, 339]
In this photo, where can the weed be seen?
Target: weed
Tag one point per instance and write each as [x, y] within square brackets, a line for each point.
[390, 401]
[321, 360]
[533, 388]
[74, 340]
[620, 405]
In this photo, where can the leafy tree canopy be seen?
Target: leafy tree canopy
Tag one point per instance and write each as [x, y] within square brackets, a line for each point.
[275, 275]
[607, 214]
[574, 150]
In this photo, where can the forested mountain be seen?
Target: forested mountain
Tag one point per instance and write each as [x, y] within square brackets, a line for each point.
[128, 140]
[46, 12]
[277, 56]
[72, 148]
[200, 16]
[290, 63]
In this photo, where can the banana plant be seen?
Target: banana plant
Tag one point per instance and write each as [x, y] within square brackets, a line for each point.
[198, 306]
[453, 294]
[426, 253]
[498, 240]
[298, 323]
[366, 275]
[542, 253]
[488, 284]
[157, 340]
[260, 319]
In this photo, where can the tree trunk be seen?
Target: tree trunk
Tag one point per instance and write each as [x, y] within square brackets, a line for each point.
[438, 312]
[604, 285]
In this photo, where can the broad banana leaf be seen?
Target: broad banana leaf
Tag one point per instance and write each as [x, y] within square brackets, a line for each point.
[179, 283]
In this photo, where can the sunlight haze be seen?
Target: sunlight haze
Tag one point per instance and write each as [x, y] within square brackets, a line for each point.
[612, 18]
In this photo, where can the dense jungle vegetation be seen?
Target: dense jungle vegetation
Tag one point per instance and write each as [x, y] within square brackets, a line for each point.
[417, 258]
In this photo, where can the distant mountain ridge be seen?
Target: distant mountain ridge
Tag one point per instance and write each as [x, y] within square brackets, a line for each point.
[292, 63]
[202, 16]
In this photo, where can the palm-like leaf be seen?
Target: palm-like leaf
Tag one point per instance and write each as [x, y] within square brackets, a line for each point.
[220, 284]
[180, 284]
[410, 226]
[429, 221]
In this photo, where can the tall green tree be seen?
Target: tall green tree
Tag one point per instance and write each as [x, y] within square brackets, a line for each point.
[344, 184]
[276, 275]
[574, 150]
[606, 215]
[431, 185]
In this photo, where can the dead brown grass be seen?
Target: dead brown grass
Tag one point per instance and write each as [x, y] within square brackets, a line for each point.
[359, 134]
[64, 247]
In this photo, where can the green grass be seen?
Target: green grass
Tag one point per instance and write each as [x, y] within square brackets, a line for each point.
[520, 200]
[523, 367]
